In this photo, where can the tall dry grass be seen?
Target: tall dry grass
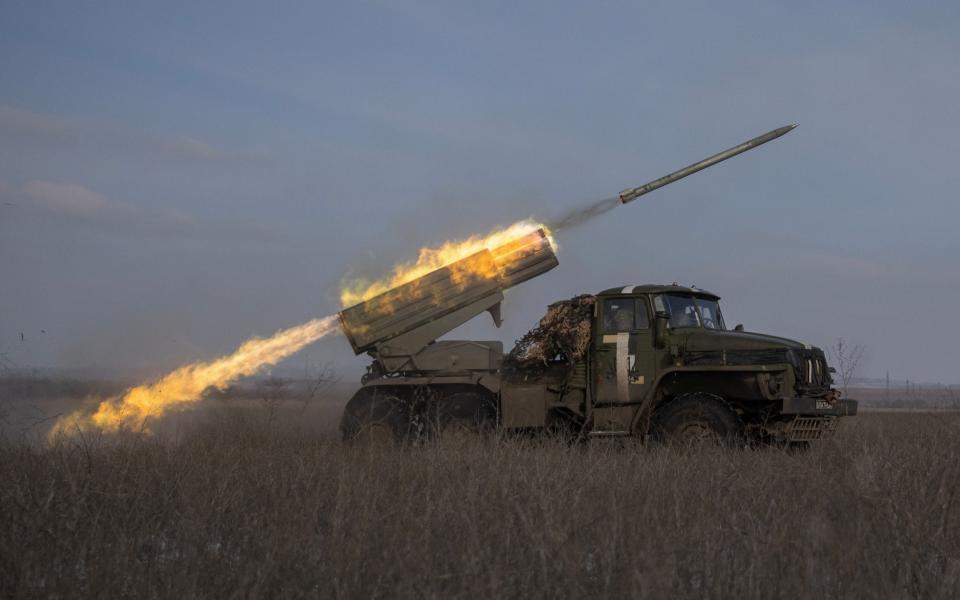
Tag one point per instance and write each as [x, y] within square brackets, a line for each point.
[237, 508]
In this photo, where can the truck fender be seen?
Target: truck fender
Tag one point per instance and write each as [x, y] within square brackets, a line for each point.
[650, 402]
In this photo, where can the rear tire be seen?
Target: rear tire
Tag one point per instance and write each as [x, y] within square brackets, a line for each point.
[693, 419]
[464, 416]
[376, 417]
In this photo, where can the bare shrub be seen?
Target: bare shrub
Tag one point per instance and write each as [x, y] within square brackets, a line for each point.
[847, 360]
[272, 392]
[951, 397]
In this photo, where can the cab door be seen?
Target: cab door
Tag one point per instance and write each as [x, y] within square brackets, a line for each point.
[624, 366]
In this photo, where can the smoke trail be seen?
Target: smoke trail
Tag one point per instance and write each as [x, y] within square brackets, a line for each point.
[582, 215]
[186, 385]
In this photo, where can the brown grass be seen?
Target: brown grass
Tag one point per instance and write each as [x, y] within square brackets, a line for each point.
[236, 507]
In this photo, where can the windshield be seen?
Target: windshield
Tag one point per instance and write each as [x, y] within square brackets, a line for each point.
[687, 311]
[710, 314]
[682, 311]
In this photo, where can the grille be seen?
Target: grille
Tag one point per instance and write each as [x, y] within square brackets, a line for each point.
[813, 378]
[805, 429]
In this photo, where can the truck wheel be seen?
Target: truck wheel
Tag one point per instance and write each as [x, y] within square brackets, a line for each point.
[464, 415]
[374, 417]
[695, 419]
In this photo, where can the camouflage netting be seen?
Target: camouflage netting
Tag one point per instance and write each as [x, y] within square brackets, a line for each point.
[563, 335]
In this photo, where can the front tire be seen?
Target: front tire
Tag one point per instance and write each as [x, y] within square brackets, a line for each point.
[693, 419]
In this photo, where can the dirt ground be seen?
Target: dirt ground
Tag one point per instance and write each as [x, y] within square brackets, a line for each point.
[245, 498]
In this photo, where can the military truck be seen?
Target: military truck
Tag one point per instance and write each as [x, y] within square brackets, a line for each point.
[641, 360]
[653, 361]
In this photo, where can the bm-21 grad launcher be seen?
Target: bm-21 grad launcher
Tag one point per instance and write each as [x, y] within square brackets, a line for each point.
[659, 361]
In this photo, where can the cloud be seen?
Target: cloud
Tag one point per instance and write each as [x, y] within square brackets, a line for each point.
[76, 205]
[66, 199]
[22, 127]
[193, 148]
[21, 122]
[79, 208]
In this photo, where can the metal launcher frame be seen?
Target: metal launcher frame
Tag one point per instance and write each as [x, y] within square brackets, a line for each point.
[399, 327]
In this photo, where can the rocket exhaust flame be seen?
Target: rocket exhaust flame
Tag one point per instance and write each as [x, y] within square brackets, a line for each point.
[134, 409]
[185, 385]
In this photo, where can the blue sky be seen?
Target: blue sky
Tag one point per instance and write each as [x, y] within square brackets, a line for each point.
[175, 178]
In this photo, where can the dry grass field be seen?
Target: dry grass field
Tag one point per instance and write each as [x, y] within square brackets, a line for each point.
[244, 504]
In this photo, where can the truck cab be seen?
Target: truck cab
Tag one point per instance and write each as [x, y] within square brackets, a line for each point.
[660, 345]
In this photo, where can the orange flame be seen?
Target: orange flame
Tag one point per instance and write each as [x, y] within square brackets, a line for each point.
[430, 259]
[136, 406]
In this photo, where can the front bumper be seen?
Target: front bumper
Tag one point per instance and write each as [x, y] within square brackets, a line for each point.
[816, 407]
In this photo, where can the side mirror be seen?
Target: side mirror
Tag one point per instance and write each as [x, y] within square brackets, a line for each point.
[661, 320]
[738, 327]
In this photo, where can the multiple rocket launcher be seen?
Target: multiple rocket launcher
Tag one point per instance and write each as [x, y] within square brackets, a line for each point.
[399, 327]
[484, 275]
[446, 290]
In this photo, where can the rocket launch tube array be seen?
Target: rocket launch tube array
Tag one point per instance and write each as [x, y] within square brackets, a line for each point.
[445, 290]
